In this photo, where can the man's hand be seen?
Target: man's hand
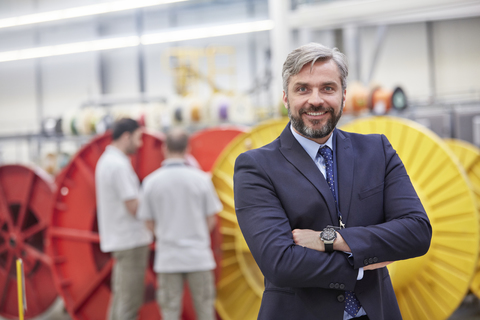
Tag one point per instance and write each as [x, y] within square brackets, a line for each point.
[377, 265]
[311, 239]
[150, 224]
[132, 206]
[308, 238]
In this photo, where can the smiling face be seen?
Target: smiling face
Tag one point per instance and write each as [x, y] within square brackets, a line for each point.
[315, 100]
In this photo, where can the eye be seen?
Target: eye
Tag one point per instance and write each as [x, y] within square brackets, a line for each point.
[302, 89]
[328, 89]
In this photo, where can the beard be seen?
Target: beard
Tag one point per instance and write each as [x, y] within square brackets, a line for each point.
[309, 132]
[131, 149]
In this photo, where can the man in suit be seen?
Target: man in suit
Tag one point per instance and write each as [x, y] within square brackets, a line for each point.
[324, 211]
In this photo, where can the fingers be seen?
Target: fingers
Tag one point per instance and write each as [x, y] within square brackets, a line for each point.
[377, 265]
[308, 238]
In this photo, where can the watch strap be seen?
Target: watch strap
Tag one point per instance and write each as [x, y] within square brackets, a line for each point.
[328, 246]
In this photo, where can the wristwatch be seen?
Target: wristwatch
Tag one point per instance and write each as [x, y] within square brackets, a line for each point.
[328, 235]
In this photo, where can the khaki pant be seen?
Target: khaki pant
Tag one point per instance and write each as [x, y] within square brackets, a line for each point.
[128, 277]
[170, 294]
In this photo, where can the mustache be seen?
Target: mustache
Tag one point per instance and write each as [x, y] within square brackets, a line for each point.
[316, 109]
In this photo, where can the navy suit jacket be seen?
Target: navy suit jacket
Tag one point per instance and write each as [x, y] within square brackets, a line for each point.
[279, 188]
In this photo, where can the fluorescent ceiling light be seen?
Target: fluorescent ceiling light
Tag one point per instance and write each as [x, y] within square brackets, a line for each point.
[63, 49]
[76, 12]
[207, 32]
[133, 41]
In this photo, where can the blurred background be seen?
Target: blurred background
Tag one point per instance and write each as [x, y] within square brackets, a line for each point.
[204, 62]
[69, 68]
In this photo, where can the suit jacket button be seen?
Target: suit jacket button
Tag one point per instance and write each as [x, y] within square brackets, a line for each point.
[332, 285]
[370, 260]
[365, 262]
[337, 285]
[375, 259]
[342, 286]
[341, 298]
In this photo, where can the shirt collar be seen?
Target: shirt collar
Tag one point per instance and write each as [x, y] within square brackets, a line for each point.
[311, 147]
[113, 149]
[172, 161]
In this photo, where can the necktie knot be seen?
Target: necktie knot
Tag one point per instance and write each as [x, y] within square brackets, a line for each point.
[326, 153]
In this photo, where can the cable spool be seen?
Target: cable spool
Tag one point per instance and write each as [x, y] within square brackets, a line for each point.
[382, 100]
[218, 108]
[356, 99]
[153, 116]
[196, 113]
[206, 145]
[82, 272]
[26, 199]
[469, 156]
[432, 286]
[240, 288]
[84, 123]
[178, 114]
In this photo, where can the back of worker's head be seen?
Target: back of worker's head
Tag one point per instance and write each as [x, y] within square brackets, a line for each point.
[177, 141]
[124, 125]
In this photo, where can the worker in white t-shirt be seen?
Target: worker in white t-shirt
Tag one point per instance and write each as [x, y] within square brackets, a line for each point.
[121, 233]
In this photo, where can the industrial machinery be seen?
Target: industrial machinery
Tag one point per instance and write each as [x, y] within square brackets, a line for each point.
[189, 65]
[26, 199]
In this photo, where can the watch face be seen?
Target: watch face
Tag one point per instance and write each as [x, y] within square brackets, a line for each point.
[328, 234]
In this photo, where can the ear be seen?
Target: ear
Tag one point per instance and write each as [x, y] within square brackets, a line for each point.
[125, 136]
[344, 97]
[285, 100]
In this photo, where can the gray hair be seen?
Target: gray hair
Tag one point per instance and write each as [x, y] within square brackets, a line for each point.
[313, 52]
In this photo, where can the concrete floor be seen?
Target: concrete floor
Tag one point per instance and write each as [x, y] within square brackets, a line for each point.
[468, 310]
[55, 312]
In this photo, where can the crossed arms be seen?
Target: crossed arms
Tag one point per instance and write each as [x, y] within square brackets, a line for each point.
[276, 206]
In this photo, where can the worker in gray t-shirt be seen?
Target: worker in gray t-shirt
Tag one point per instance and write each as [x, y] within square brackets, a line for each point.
[179, 204]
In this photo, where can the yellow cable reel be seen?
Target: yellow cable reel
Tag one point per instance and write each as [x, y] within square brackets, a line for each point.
[428, 287]
[240, 287]
[432, 286]
[469, 156]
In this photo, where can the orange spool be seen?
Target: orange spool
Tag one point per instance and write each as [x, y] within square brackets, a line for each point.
[206, 145]
[356, 99]
[381, 101]
[195, 113]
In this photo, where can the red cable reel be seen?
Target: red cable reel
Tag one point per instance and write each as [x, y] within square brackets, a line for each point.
[26, 198]
[82, 272]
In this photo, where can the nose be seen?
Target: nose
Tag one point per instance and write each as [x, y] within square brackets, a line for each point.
[315, 98]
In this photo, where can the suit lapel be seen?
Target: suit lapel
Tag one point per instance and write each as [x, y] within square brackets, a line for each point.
[345, 170]
[298, 157]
